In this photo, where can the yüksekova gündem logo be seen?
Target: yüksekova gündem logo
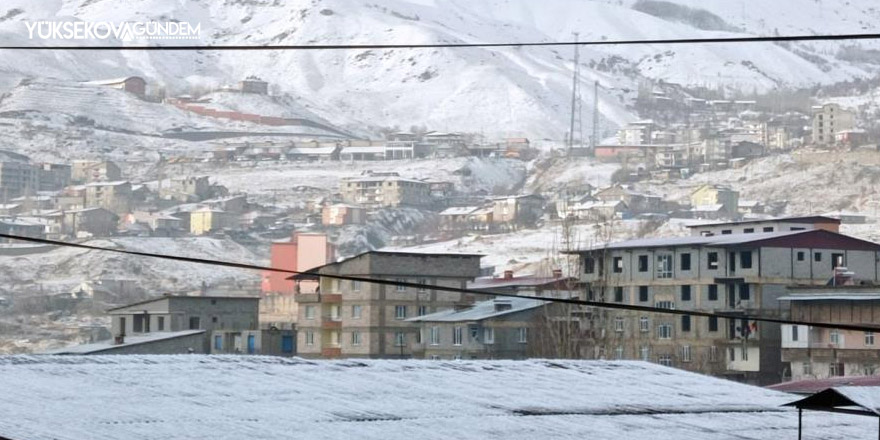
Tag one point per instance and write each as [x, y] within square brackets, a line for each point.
[103, 30]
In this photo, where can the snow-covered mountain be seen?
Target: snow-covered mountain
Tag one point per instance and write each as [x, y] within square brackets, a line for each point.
[498, 91]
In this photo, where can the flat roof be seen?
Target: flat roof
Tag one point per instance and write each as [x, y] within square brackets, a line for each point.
[482, 310]
[160, 298]
[109, 344]
[804, 219]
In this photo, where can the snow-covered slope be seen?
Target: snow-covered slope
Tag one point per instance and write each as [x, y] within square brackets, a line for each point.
[502, 91]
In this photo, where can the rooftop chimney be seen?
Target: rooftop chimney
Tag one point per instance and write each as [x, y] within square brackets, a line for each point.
[508, 274]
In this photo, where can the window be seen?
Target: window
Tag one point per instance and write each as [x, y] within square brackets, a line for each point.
[435, 336]
[195, 323]
[488, 335]
[356, 311]
[355, 338]
[664, 266]
[726, 232]
[745, 259]
[686, 353]
[310, 338]
[686, 293]
[713, 323]
[685, 261]
[617, 264]
[665, 360]
[523, 335]
[618, 294]
[643, 263]
[618, 324]
[748, 230]
[768, 229]
[835, 337]
[836, 260]
[869, 338]
[399, 312]
[645, 353]
[817, 256]
[419, 336]
[800, 256]
[355, 286]
[713, 354]
[335, 312]
[423, 310]
[835, 369]
[399, 287]
[669, 305]
[643, 324]
[399, 339]
[214, 319]
[686, 323]
[643, 293]
[618, 352]
[310, 312]
[794, 333]
[218, 342]
[589, 265]
[457, 336]
[423, 281]
[334, 339]
[712, 260]
[664, 331]
[161, 323]
[731, 354]
[713, 292]
[796, 229]
[744, 292]
[807, 368]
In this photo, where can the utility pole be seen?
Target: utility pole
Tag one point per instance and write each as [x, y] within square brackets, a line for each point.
[574, 94]
[595, 139]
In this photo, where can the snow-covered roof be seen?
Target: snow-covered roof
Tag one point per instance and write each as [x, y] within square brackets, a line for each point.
[104, 82]
[459, 210]
[712, 207]
[482, 310]
[109, 344]
[713, 240]
[235, 397]
[113, 183]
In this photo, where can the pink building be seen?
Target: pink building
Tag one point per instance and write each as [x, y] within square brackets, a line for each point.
[303, 251]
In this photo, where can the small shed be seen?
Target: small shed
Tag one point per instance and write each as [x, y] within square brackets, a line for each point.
[863, 401]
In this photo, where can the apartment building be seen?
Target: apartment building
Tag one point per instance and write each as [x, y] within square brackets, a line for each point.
[820, 353]
[735, 273]
[385, 189]
[830, 119]
[84, 171]
[114, 196]
[346, 318]
[494, 329]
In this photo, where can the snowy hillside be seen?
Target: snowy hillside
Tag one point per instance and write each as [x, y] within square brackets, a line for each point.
[505, 91]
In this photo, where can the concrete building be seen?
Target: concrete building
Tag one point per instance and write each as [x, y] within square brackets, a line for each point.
[206, 220]
[99, 222]
[385, 189]
[253, 84]
[53, 176]
[828, 120]
[636, 202]
[22, 226]
[778, 224]
[819, 353]
[737, 274]
[17, 176]
[114, 196]
[522, 210]
[302, 252]
[84, 171]
[341, 214]
[268, 342]
[185, 313]
[707, 195]
[131, 84]
[186, 189]
[636, 133]
[494, 329]
[358, 319]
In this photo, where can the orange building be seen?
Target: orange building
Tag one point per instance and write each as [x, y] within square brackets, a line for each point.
[303, 251]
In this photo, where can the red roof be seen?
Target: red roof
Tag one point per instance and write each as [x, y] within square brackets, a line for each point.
[810, 386]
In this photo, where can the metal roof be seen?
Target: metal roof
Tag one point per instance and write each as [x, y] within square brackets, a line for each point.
[804, 219]
[482, 310]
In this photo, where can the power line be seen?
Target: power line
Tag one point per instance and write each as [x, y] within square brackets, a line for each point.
[714, 40]
[598, 304]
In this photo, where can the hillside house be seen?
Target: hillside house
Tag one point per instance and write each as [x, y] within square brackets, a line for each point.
[636, 202]
[521, 210]
[359, 319]
[99, 222]
[22, 226]
[186, 189]
[341, 214]
[114, 196]
[205, 220]
[132, 84]
[384, 189]
[706, 195]
[494, 329]
[253, 84]
[85, 171]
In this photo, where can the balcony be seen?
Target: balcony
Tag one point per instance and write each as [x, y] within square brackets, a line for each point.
[331, 323]
[327, 298]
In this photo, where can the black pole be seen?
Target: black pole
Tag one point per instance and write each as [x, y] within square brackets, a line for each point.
[800, 423]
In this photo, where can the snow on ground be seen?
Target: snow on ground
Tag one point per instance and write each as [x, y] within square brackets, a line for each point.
[266, 180]
[553, 175]
[234, 397]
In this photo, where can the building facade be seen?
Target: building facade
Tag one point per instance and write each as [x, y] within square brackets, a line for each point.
[358, 319]
[828, 120]
[737, 274]
[385, 189]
